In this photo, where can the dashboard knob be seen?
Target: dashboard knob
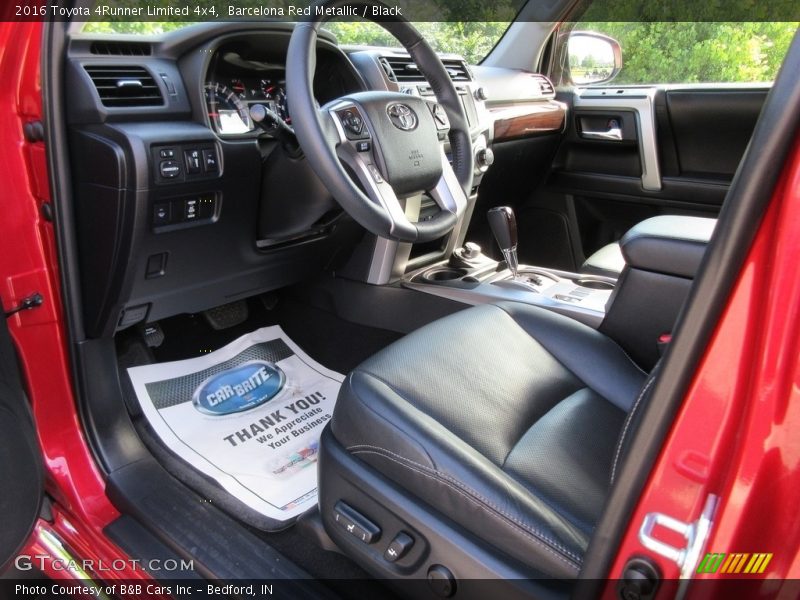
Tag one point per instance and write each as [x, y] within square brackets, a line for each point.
[484, 158]
[481, 95]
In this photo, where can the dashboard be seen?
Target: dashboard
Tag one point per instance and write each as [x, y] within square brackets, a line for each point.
[182, 203]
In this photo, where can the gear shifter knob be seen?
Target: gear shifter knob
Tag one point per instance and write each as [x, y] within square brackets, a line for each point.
[504, 227]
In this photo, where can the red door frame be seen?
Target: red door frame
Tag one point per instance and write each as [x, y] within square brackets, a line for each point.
[737, 434]
[29, 264]
[733, 436]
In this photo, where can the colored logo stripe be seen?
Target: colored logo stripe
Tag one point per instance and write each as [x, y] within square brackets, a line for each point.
[734, 563]
[711, 562]
[758, 563]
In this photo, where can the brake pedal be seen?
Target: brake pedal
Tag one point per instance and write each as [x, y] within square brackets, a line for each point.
[227, 315]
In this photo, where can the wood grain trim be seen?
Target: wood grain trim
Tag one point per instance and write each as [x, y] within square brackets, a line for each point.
[527, 120]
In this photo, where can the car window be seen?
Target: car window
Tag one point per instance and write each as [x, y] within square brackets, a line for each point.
[683, 52]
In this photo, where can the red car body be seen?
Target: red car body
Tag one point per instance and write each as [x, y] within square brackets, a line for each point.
[736, 435]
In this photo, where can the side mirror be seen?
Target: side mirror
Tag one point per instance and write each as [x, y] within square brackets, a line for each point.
[593, 57]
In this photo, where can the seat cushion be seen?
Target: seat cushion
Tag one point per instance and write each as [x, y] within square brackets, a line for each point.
[505, 418]
[608, 261]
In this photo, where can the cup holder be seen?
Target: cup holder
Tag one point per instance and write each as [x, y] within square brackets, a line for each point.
[445, 274]
[595, 284]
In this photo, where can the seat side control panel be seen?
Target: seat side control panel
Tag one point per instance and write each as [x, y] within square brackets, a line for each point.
[185, 162]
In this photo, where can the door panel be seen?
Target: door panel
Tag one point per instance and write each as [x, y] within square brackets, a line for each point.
[21, 478]
[626, 153]
[711, 129]
[678, 157]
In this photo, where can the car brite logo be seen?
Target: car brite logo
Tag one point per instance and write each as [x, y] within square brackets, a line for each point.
[238, 389]
[734, 563]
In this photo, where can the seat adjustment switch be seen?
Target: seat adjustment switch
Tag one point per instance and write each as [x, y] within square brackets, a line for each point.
[399, 547]
[354, 523]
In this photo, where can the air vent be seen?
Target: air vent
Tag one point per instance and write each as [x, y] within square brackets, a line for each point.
[457, 69]
[120, 48]
[403, 70]
[545, 86]
[121, 86]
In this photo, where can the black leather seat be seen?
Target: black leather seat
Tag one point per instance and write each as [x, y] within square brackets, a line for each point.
[505, 419]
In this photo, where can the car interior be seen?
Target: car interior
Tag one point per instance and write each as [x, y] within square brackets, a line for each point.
[496, 262]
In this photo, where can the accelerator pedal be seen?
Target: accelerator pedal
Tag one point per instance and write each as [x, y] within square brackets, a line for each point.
[227, 315]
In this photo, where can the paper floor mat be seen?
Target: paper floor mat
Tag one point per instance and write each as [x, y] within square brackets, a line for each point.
[249, 415]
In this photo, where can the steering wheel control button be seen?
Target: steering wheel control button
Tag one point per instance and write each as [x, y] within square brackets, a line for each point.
[363, 146]
[354, 523]
[440, 116]
[169, 169]
[353, 124]
[399, 547]
[210, 161]
[376, 174]
[193, 162]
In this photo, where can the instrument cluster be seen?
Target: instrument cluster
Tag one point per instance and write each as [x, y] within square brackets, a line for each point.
[228, 101]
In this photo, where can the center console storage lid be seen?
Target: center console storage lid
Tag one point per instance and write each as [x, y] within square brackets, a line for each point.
[668, 244]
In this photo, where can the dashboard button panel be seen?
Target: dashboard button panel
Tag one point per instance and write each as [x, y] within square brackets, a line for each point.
[177, 213]
[210, 164]
[169, 169]
[162, 214]
[194, 163]
[185, 162]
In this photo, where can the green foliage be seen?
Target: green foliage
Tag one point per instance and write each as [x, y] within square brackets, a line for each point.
[690, 11]
[473, 40]
[697, 52]
[139, 28]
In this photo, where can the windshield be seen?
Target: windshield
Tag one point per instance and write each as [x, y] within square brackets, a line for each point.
[472, 40]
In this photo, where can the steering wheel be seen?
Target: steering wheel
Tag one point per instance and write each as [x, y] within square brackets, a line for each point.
[388, 141]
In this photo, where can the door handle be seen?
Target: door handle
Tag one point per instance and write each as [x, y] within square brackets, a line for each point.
[614, 134]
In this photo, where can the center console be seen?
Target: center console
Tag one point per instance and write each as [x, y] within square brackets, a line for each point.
[471, 277]
[639, 310]
[582, 297]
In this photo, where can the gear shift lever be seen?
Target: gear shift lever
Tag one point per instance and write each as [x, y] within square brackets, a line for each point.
[504, 227]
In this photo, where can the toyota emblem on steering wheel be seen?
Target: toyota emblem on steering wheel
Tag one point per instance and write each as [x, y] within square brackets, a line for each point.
[402, 116]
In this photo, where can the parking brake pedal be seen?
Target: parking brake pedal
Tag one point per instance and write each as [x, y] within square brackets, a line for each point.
[153, 335]
[227, 315]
